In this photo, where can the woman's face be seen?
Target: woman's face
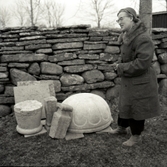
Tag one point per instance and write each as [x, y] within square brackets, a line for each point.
[125, 21]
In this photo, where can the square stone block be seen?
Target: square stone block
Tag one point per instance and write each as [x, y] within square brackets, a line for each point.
[27, 83]
[37, 92]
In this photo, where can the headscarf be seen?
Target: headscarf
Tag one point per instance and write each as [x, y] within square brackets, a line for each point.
[130, 11]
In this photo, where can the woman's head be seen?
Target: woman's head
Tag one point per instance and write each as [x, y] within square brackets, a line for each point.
[126, 18]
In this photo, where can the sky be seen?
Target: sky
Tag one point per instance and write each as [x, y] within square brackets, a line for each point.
[72, 6]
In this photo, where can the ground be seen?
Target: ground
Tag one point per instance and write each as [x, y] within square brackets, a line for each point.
[94, 150]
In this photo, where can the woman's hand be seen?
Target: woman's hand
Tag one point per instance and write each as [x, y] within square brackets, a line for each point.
[115, 66]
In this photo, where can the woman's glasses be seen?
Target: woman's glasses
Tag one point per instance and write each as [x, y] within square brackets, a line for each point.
[121, 19]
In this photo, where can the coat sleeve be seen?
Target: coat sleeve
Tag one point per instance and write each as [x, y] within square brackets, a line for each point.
[144, 50]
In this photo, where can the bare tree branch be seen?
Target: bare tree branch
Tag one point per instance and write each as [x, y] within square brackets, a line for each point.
[5, 16]
[58, 15]
[30, 11]
[135, 4]
[39, 11]
[97, 11]
[163, 3]
[54, 13]
[19, 12]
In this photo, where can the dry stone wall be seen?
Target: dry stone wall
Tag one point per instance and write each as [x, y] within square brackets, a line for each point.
[75, 58]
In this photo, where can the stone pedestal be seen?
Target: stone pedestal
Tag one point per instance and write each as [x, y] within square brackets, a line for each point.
[50, 108]
[28, 117]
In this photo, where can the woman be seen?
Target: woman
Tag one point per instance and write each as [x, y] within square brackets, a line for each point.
[138, 94]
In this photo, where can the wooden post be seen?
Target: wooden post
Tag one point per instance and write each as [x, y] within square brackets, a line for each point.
[145, 13]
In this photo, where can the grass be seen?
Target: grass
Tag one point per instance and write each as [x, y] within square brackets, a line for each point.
[94, 150]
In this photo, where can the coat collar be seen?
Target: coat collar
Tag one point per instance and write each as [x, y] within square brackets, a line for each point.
[136, 30]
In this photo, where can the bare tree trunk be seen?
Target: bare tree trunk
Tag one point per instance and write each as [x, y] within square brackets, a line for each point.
[99, 26]
[32, 14]
[145, 12]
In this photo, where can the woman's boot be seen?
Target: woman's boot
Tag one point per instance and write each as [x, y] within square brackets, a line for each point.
[134, 139]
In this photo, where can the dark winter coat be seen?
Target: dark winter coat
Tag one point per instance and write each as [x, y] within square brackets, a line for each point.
[139, 89]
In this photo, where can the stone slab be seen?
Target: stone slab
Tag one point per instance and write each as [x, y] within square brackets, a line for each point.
[50, 108]
[39, 133]
[67, 45]
[33, 92]
[6, 100]
[60, 122]
[65, 107]
[28, 57]
[50, 82]
[107, 130]
[70, 136]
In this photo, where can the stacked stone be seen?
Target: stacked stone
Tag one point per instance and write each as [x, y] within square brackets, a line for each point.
[76, 58]
[160, 63]
[160, 58]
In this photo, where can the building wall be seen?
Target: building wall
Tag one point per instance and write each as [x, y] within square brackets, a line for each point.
[159, 20]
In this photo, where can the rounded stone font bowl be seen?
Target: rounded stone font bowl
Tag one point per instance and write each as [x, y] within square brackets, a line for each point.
[90, 113]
